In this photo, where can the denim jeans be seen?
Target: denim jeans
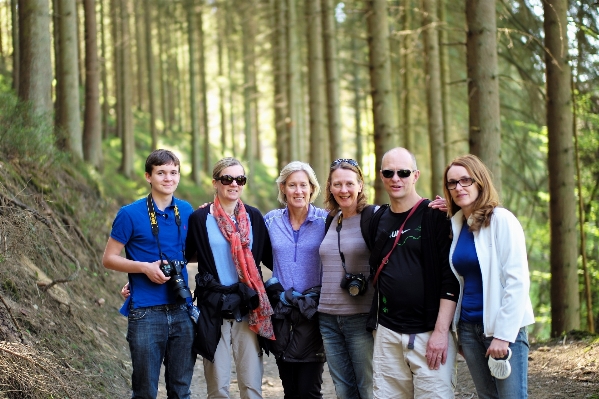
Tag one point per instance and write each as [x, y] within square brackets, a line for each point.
[474, 346]
[348, 347]
[156, 334]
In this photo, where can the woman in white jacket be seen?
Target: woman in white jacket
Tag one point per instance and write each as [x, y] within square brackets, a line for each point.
[488, 256]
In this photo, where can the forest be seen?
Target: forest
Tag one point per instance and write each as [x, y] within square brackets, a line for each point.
[515, 82]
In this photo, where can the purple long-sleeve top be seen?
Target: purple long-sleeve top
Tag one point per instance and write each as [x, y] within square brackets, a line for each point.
[296, 260]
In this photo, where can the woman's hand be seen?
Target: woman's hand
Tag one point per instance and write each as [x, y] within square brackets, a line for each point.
[125, 291]
[498, 348]
[204, 205]
[438, 203]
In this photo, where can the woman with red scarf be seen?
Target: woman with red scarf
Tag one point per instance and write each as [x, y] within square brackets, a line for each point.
[229, 240]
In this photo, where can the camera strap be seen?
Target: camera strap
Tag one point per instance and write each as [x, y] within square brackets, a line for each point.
[154, 221]
[339, 225]
[386, 258]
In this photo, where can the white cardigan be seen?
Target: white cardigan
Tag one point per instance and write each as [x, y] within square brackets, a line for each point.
[501, 252]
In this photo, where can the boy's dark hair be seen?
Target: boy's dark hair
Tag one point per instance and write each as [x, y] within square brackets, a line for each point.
[161, 157]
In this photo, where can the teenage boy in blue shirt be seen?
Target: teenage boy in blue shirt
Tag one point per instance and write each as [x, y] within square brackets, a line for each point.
[160, 328]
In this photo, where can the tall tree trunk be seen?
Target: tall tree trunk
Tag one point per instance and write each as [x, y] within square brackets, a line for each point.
[483, 85]
[205, 132]
[193, 102]
[565, 306]
[15, 45]
[231, 59]
[104, 73]
[92, 129]
[332, 79]
[247, 7]
[117, 44]
[151, 72]
[161, 69]
[407, 76]
[142, 47]
[279, 54]
[35, 76]
[356, 86]
[448, 137]
[68, 115]
[318, 140]
[293, 80]
[128, 141]
[433, 95]
[220, 34]
[380, 81]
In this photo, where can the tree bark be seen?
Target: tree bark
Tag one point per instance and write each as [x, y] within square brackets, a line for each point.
[15, 45]
[68, 115]
[332, 79]
[407, 76]
[318, 140]
[92, 129]
[142, 47]
[279, 54]
[193, 102]
[128, 141]
[205, 132]
[380, 81]
[104, 73]
[248, 28]
[293, 80]
[565, 303]
[151, 72]
[449, 138]
[220, 34]
[117, 44]
[483, 85]
[433, 95]
[35, 76]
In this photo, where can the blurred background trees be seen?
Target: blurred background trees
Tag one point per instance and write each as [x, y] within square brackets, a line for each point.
[270, 81]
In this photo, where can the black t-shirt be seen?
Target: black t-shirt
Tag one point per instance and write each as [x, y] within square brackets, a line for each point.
[401, 282]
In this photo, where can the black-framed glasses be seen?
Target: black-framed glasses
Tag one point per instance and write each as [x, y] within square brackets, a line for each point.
[402, 173]
[346, 160]
[464, 182]
[226, 180]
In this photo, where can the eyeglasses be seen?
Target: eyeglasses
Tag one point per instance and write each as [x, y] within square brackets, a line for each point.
[346, 160]
[226, 180]
[402, 173]
[464, 182]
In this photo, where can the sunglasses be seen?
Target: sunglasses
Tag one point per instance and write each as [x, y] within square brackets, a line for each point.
[226, 180]
[402, 173]
[346, 160]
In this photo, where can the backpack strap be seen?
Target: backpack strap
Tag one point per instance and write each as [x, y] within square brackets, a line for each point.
[365, 218]
[329, 220]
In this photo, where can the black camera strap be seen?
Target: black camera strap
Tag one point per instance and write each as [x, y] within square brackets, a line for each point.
[339, 226]
[154, 222]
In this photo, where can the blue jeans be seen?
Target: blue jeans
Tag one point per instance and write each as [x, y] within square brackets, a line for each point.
[474, 346]
[156, 334]
[348, 347]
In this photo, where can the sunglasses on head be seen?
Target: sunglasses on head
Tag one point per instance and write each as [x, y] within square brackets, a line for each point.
[346, 160]
[228, 179]
[403, 173]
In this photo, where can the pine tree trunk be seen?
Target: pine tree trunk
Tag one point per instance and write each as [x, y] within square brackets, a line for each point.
[433, 95]
[15, 45]
[332, 79]
[380, 81]
[483, 85]
[407, 77]
[220, 34]
[162, 70]
[565, 303]
[293, 80]
[104, 74]
[205, 132]
[68, 115]
[128, 142]
[279, 54]
[35, 76]
[142, 7]
[449, 137]
[193, 102]
[318, 139]
[231, 59]
[151, 72]
[247, 8]
[117, 44]
[92, 129]
[357, 91]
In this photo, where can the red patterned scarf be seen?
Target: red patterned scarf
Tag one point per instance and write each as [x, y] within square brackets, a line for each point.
[239, 238]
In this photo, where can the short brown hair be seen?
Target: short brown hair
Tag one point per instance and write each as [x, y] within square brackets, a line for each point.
[487, 200]
[161, 157]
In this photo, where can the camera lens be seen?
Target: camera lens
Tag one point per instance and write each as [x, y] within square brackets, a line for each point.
[354, 288]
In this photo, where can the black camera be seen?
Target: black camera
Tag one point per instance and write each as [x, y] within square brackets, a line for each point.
[355, 284]
[177, 283]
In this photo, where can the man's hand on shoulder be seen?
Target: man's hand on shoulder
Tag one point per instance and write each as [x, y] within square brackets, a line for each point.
[436, 349]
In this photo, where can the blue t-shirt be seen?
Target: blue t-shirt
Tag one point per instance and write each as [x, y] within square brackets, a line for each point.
[131, 227]
[466, 264]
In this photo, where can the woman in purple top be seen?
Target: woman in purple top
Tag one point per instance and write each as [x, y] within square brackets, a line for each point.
[296, 232]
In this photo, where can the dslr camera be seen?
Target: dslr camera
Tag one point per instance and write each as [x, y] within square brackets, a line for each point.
[355, 284]
[177, 283]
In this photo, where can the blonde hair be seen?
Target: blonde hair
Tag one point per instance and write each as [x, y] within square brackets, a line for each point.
[223, 164]
[487, 200]
[292, 167]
